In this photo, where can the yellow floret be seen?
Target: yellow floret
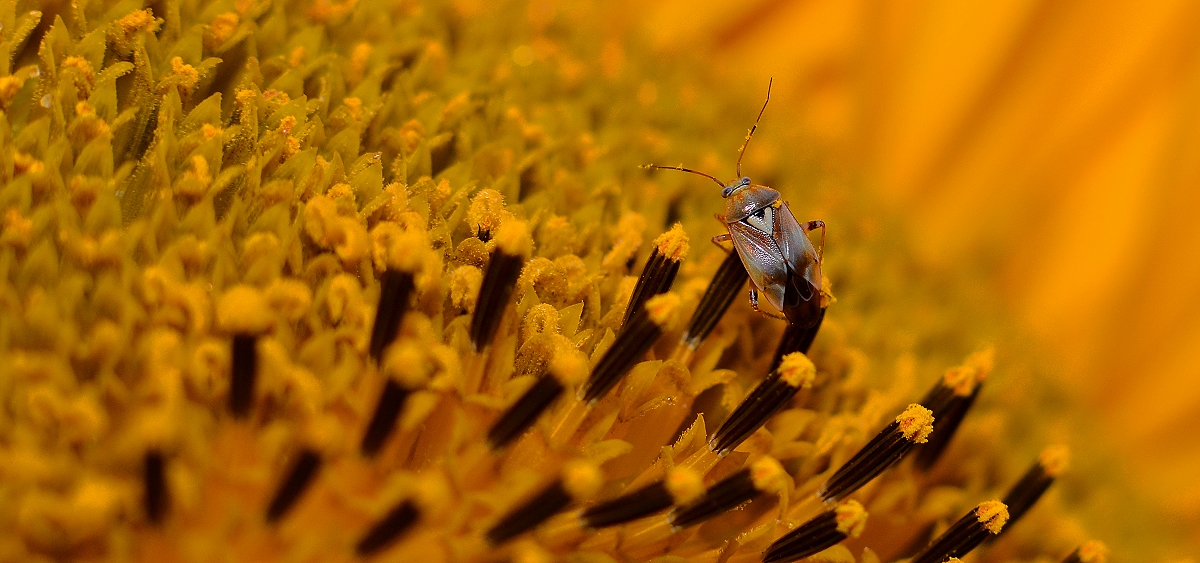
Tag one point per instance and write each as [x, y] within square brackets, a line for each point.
[242, 309]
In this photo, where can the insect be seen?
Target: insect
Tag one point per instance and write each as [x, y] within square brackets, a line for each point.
[774, 247]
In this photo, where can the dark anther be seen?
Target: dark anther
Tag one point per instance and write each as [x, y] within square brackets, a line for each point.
[383, 422]
[395, 287]
[547, 503]
[522, 414]
[244, 371]
[389, 529]
[294, 484]
[725, 286]
[154, 471]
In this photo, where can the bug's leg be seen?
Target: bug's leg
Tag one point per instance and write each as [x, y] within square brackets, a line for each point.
[717, 240]
[812, 226]
[754, 305]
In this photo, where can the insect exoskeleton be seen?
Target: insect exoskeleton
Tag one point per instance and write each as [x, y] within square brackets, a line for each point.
[782, 262]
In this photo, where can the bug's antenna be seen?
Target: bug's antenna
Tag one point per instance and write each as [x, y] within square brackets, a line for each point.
[752, 128]
[682, 169]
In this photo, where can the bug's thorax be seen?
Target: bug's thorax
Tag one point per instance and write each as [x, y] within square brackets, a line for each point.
[751, 202]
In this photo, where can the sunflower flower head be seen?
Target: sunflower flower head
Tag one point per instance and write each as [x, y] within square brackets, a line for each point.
[332, 281]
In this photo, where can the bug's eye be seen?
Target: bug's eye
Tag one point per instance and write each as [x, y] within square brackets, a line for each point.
[745, 181]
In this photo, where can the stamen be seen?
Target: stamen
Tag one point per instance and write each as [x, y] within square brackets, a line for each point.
[1023, 495]
[155, 501]
[565, 369]
[383, 422]
[884, 450]
[389, 529]
[1090, 552]
[822, 532]
[244, 371]
[243, 312]
[642, 331]
[513, 247]
[670, 249]
[395, 287]
[580, 480]
[764, 475]
[681, 486]
[797, 338]
[950, 400]
[523, 413]
[725, 286]
[297, 480]
[407, 369]
[986, 520]
[794, 373]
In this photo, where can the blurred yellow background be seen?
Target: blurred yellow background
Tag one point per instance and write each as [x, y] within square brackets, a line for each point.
[1059, 140]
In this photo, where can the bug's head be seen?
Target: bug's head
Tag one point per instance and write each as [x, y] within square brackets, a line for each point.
[734, 186]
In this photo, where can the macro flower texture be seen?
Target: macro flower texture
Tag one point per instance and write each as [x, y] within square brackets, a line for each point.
[367, 280]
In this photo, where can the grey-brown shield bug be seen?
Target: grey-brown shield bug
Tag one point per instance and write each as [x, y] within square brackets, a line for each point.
[782, 262]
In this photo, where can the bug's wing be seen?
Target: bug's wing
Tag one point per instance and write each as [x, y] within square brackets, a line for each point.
[762, 258]
[797, 250]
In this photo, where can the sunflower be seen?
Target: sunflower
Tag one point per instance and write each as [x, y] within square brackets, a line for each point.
[323, 280]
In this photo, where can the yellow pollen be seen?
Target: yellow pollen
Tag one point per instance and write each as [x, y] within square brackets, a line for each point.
[797, 370]
[407, 364]
[138, 20]
[486, 211]
[210, 131]
[673, 244]
[851, 518]
[222, 28]
[827, 297]
[685, 484]
[242, 309]
[297, 56]
[1055, 459]
[513, 238]
[916, 422]
[355, 106]
[464, 287]
[769, 476]
[581, 479]
[1093, 552]
[993, 514]
[569, 366]
[9, 87]
[663, 309]
[187, 73]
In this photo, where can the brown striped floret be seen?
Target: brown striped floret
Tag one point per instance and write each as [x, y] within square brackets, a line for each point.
[950, 401]
[1090, 552]
[658, 274]
[681, 486]
[406, 370]
[763, 476]
[565, 370]
[243, 374]
[726, 284]
[513, 248]
[796, 338]
[1026, 492]
[388, 529]
[643, 330]
[823, 531]
[966, 534]
[395, 289]
[156, 498]
[579, 481]
[794, 373]
[297, 480]
[884, 450]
